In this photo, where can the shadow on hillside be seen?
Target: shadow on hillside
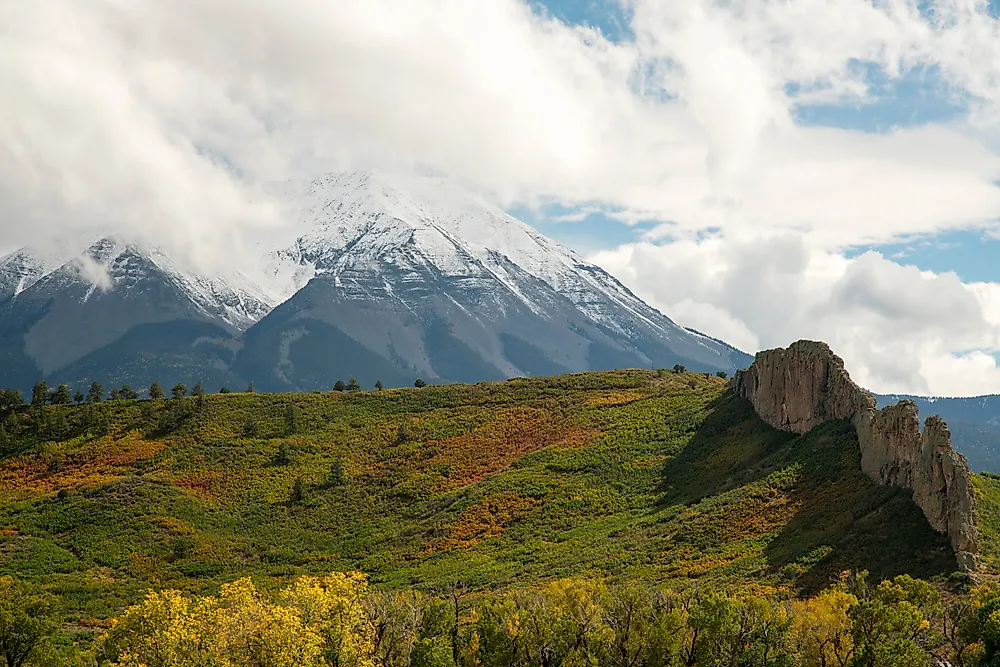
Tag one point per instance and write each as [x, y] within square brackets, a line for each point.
[728, 450]
[842, 520]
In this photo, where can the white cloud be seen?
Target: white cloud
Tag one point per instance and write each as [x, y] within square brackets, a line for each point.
[898, 328]
[164, 118]
[165, 115]
[96, 273]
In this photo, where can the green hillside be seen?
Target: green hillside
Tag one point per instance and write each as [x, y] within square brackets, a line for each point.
[653, 476]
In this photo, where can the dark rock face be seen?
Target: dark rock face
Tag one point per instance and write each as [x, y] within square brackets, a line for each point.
[798, 388]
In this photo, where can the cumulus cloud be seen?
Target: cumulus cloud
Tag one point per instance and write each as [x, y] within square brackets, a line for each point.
[898, 328]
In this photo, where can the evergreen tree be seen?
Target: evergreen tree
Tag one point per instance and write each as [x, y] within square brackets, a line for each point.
[339, 386]
[61, 396]
[298, 491]
[10, 400]
[722, 374]
[336, 476]
[250, 429]
[224, 390]
[352, 385]
[127, 393]
[291, 424]
[96, 393]
[283, 456]
[378, 385]
[39, 394]
[78, 397]
[114, 394]
[419, 383]
[197, 390]
[156, 391]
[179, 390]
[250, 389]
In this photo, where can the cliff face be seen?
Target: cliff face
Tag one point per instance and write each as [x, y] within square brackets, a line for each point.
[798, 388]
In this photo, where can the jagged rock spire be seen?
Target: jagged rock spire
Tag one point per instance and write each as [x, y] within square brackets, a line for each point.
[798, 388]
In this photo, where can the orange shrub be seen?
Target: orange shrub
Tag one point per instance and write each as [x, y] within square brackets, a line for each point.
[484, 520]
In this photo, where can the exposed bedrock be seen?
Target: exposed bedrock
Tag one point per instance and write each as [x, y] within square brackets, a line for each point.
[798, 388]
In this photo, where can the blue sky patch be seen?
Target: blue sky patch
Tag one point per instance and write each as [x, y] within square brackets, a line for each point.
[607, 15]
[972, 254]
[917, 97]
[596, 231]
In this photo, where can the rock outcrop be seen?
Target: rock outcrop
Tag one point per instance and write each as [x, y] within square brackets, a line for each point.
[798, 388]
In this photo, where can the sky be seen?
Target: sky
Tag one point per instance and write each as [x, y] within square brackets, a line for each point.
[762, 171]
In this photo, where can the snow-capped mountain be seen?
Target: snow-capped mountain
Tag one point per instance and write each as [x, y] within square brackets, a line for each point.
[378, 276]
[357, 220]
[439, 283]
[56, 318]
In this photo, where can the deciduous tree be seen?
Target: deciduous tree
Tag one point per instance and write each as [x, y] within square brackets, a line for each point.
[28, 618]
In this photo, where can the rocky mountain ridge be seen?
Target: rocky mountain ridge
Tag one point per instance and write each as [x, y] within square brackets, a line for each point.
[798, 388]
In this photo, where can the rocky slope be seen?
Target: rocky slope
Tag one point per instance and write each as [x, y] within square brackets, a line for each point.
[801, 387]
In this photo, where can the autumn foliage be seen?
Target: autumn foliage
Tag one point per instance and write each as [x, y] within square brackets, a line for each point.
[338, 620]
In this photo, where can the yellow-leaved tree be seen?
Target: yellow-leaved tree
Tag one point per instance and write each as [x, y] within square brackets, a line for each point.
[249, 630]
[821, 629]
[317, 621]
[332, 606]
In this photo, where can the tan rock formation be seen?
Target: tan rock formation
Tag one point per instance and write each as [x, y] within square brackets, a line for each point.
[798, 388]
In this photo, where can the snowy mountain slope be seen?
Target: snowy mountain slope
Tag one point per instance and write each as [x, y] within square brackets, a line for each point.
[97, 297]
[395, 263]
[372, 212]
[19, 271]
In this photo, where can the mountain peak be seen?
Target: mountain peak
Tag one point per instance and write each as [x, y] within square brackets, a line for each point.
[445, 262]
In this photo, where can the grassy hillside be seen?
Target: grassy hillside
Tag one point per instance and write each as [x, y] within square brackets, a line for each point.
[655, 476]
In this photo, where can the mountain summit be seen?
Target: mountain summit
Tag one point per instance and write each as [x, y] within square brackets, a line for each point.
[420, 278]
[383, 278]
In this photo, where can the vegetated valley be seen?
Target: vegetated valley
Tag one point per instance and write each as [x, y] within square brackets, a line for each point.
[647, 480]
